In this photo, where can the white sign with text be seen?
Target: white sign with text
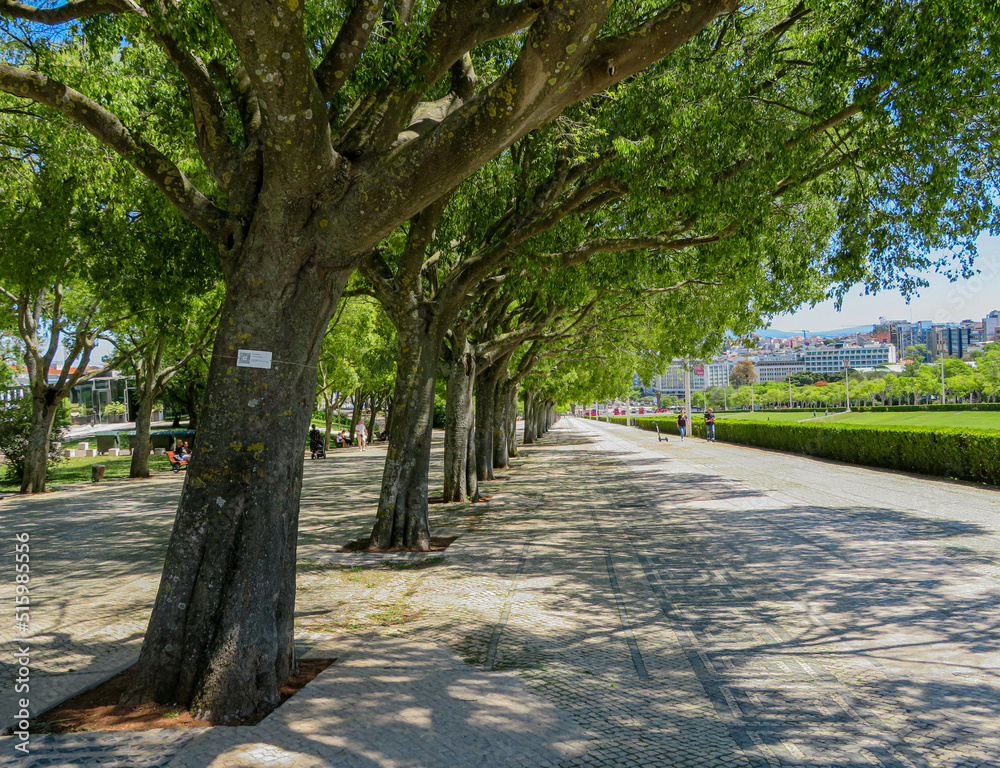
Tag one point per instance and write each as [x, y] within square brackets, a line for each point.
[253, 358]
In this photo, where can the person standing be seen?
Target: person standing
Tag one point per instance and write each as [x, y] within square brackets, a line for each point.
[682, 423]
[710, 426]
[362, 434]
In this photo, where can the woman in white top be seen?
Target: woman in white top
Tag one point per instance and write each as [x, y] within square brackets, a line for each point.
[362, 434]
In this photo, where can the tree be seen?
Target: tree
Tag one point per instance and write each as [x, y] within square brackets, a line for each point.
[311, 152]
[916, 353]
[743, 373]
[305, 188]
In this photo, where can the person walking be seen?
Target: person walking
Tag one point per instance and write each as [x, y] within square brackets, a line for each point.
[362, 434]
[710, 426]
[682, 423]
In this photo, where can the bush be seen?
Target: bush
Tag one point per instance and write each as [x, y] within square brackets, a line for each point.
[114, 409]
[947, 407]
[962, 454]
[15, 426]
[439, 413]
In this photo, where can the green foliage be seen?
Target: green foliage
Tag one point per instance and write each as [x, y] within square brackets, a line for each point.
[931, 407]
[958, 453]
[440, 409]
[963, 454]
[15, 426]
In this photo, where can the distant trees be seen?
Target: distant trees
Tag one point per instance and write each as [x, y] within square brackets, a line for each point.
[978, 381]
[743, 373]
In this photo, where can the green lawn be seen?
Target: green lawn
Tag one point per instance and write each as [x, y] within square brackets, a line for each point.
[957, 419]
[78, 470]
[763, 415]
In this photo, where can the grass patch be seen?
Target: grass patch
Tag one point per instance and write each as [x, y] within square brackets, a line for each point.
[72, 471]
[761, 416]
[952, 419]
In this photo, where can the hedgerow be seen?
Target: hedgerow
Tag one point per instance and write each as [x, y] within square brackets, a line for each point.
[964, 454]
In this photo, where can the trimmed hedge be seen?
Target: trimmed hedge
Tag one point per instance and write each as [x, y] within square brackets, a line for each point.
[947, 407]
[958, 453]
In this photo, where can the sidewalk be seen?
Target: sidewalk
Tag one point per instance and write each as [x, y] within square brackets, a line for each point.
[618, 603]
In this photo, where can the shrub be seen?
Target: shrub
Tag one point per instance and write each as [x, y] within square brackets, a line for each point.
[963, 454]
[114, 409]
[946, 407]
[15, 426]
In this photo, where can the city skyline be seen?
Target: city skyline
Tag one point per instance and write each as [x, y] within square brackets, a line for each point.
[942, 301]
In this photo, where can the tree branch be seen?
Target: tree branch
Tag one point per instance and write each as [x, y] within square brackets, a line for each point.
[75, 9]
[109, 130]
[344, 54]
[209, 114]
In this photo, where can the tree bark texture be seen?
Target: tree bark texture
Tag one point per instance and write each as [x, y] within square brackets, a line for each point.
[486, 389]
[459, 435]
[471, 471]
[36, 458]
[501, 415]
[530, 417]
[401, 520]
[220, 636]
[511, 396]
[139, 465]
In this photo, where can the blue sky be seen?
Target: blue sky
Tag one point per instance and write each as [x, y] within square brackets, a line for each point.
[942, 301]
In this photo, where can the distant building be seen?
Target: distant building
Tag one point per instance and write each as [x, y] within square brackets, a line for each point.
[834, 359]
[703, 376]
[903, 334]
[990, 325]
[778, 368]
[951, 340]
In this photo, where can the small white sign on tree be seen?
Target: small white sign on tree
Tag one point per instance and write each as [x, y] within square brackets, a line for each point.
[253, 358]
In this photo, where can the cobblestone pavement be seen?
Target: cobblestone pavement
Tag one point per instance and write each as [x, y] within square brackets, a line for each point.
[618, 602]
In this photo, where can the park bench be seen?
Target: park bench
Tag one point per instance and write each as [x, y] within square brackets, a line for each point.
[176, 464]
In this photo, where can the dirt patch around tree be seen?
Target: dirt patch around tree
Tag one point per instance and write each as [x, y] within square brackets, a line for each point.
[93, 710]
[438, 544]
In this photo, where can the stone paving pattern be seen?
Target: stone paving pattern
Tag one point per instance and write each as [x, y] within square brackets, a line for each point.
[619, 602]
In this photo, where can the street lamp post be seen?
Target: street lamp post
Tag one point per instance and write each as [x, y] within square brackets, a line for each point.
[943, 393]
[847, 383]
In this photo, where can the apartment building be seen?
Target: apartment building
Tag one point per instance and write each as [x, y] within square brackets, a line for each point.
[834, 359]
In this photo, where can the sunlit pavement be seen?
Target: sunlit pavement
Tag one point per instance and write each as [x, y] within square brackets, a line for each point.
[619, 602]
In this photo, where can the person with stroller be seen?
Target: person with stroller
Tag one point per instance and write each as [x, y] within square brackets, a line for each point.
[316, 446]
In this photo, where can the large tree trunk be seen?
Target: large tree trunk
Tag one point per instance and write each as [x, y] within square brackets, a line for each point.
[139, 466]
[512, 393]
[36, 458]
[471, 471]
[459, 420]
[401, 520]
[529, 417]
[220, 637]
[486, 389]
[501, 453]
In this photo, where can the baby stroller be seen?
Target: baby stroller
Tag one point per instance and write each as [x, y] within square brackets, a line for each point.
[316, 445]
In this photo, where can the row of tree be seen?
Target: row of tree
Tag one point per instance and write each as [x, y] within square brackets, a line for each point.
[919, 382]
[541, 197]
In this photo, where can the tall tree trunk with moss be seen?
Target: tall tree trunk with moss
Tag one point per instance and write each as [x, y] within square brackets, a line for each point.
[401, 518]
[45, 404]
[459, 426]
